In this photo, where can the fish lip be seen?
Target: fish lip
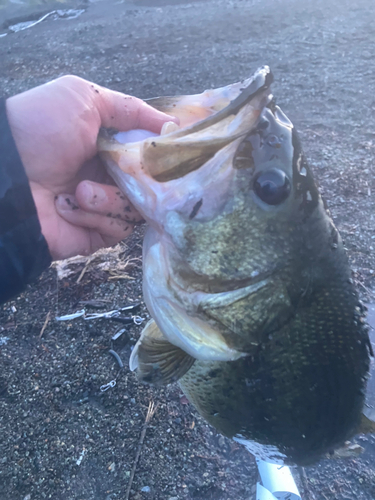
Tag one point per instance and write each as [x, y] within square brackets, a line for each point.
[261, 81]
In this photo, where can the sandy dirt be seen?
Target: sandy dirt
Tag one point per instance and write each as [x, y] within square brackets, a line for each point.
[61, 438]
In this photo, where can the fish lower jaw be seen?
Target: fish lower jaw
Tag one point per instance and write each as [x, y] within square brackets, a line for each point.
[179, 316]
[194, 336]
[175, 312]
[190, 333]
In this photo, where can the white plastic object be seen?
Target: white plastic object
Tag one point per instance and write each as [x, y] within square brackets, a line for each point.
[278, 480]
[263, 494]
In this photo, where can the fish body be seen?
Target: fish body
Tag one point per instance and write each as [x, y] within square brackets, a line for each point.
[245, 275]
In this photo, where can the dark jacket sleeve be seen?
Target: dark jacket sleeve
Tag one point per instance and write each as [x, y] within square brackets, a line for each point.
[24, 252]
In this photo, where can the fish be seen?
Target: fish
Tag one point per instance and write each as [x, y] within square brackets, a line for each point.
[254, 311]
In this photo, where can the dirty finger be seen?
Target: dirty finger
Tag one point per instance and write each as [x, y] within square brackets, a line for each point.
[105, 200]
[107, 226]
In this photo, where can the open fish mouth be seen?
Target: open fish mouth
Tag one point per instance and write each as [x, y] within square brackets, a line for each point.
[209, 122]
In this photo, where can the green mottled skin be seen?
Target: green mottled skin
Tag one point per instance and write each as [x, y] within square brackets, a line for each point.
[302, 385]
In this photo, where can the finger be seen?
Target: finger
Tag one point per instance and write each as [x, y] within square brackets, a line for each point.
[105, 200]
[108, 227]
[124, 112]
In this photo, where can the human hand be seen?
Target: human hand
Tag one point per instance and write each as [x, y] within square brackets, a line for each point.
[55, 127]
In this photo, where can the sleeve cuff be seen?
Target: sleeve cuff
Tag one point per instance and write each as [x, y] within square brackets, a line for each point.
[24, 253]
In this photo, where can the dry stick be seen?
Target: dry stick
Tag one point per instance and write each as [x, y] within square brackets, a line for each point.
[90, 259]
[120, 277]
[207, 458]
[45, 324]
[150, 413]
[305, 483]
[363, 286]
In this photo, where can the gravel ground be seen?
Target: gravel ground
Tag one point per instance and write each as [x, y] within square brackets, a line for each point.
[61, 437]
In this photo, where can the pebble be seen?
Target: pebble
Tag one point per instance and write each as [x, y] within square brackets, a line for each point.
[146, 489]
[222, 442]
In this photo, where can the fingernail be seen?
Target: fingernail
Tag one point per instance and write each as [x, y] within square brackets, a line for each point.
[66, 202]
[94, 195]
[169, 127]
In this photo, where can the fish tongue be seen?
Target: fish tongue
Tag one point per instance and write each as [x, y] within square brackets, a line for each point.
[172, 156]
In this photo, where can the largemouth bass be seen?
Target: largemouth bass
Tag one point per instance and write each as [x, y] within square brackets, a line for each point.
[245, 275]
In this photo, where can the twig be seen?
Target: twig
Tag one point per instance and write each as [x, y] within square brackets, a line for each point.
[150, 413]
[305, 483]
[95, 303]
[207, 458]
[120, 277]
[46, 321]
[85, 268]
[363, 286]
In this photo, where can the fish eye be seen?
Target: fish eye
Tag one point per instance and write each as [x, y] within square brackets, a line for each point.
[272, 187]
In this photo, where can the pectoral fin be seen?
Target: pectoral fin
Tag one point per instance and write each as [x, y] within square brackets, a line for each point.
[367, 423]
[157, 361]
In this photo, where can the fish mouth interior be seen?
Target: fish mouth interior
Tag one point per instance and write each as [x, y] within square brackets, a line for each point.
[175, 154]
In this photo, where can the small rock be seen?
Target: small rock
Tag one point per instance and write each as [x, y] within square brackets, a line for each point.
[222, 442]
[146, 489]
